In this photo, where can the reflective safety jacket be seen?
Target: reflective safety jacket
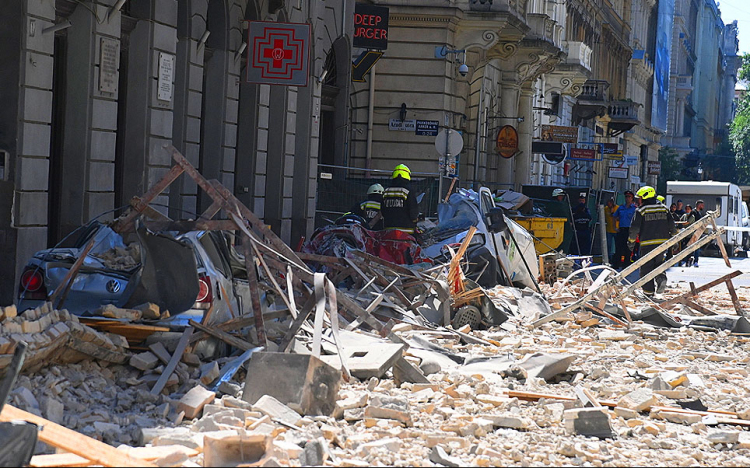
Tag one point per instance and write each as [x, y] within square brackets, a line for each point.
[369, 209]
[399, 207]
[653, 222]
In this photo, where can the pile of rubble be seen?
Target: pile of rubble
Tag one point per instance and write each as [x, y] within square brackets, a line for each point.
[647, 395]
[356, 361]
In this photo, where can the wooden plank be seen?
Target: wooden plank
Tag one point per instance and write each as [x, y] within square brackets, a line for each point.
[335, 262]
[694, 291]
[252, 277]
[666, 265]
[70, 276]
[698, 307]
[148, 197]
[181, 345]
[161, 352]
[271, 276]
[735, 299]
[297, 323]
[223, 336]
[187, 226]
[601, 311]
[390, 265]
[59, 459]
[722, 248]
[239, 322]
[674, 240]
[71, 441]
[353, 307]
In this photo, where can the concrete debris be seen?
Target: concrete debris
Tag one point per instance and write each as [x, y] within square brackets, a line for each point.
[391, 387]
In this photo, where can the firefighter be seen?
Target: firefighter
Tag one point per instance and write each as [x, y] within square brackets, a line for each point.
[654, 225]
[370, 208]
[399, 207]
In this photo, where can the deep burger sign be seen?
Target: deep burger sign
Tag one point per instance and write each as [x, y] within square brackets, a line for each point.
[370, 26]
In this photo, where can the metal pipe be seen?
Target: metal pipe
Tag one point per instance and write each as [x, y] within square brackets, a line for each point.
[370, 115]
[603, 235]
[477, 150]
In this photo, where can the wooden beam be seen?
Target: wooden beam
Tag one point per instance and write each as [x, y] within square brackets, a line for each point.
[666, 265]
[71, 441]
[173, 361]
[297, 323]
[148, 197]
[390, 265]
[186, 226]
[70, 276]
[720, 243]
[238, 323]
[684, 233]
[694, 291]
[59, 460]
[698, 307]
[223, 336]
[735, 299]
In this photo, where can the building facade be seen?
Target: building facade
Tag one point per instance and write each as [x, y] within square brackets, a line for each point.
[90, 91]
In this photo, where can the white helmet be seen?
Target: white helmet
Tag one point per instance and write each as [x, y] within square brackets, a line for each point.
[557, 192]
[375, 188]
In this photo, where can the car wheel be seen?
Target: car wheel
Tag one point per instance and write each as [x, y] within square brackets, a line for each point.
[467, 315]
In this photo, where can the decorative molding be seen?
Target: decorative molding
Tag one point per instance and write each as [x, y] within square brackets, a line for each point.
[476, 38]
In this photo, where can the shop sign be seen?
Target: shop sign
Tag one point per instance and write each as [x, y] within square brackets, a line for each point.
[583, 154]
[506, 143]
[560, 133]
[618, 172]
[654, 167]
[278, 53]
[370, 26]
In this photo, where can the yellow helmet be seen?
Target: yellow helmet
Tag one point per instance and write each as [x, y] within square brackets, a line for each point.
[660, 198]
[646, 192]
[402, 170]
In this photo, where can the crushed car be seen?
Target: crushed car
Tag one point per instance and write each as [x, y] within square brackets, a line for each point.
[500, 252]
[186, 274]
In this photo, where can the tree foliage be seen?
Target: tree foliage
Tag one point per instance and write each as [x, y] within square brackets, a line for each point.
[739, 130]
[670, 168]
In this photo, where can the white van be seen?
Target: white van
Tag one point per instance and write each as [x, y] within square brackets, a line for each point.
[724, 197]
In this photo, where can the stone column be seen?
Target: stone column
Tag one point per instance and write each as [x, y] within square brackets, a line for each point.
[509, 108]
[25, 119]
[149, 121]
[525, 133]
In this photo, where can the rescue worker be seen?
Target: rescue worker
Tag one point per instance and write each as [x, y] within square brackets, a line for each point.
[399, 207]
[696, 214]
[654, 225]
[559, 208]
[582, 222]
[612, 226]
[623, 214]
[370, 208]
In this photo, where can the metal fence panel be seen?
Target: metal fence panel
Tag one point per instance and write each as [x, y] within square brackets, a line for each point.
[348, 186]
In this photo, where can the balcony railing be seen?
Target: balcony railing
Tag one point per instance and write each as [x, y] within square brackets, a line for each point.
[516, 6]
[685, 82]
[623, 110]
[594, 90]
[578, 54]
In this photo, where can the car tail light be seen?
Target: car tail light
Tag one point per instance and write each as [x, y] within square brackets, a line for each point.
[205, 295]
[32, 285]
